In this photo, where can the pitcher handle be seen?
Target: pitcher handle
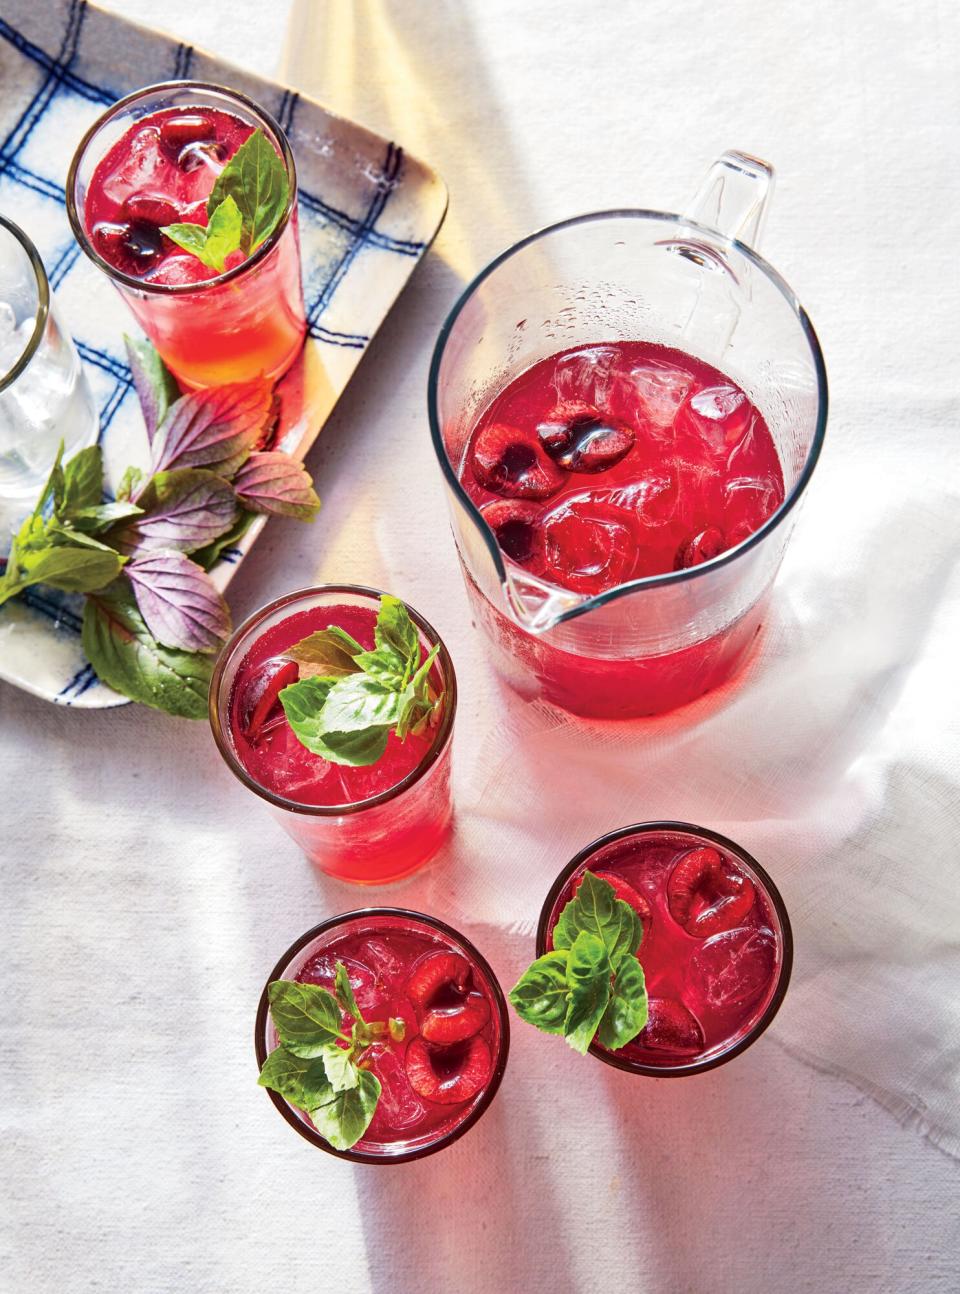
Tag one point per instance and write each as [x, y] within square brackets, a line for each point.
[734, 197]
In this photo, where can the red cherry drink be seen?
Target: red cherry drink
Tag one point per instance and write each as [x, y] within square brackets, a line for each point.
[716, 949]
[439, 1077]
[610, 463]
[365, 824]
[161, 172]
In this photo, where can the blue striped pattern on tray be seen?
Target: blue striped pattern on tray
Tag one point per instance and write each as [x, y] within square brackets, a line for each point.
[367, 214]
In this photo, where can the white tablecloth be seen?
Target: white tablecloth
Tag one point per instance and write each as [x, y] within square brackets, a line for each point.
[145, 896]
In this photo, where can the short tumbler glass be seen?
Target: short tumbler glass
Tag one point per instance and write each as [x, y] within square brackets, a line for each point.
[370, 841]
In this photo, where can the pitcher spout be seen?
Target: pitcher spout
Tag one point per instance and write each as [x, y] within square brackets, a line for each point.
[537, 606]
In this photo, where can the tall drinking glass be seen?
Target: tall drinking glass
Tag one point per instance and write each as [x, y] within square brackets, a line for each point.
[44, 396]
[693, 283]
[246, 321]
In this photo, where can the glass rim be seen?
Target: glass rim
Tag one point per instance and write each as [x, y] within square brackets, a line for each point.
[693, 1066]
[43, 303]
[225, 746]
[667, 577]
[489, 1092]
[174, 289]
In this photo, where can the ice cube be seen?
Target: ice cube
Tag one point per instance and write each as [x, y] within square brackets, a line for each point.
[141, 167]
[584, 377]
[322, 970]
[659, 391]
[734, 967]
[382, 961]
[752, 498]
[8, 322]
[653, 497]
[721, 416]
[399, 1106]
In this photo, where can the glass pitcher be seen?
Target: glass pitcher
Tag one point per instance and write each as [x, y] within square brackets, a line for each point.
[692, 282]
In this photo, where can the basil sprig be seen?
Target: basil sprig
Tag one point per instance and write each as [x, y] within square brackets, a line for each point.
[317, 1066]
[591, 985]
[347, 700]
[244, 207]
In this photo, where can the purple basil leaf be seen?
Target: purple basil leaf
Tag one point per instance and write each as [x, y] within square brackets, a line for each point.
[216, 428]
[273, 483]
[155, 385]
[185, 510]
[179, 602]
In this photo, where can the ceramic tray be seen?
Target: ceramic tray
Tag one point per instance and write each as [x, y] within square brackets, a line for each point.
[368, 212]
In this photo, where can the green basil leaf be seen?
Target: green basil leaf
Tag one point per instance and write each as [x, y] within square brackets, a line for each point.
[349, 642]
[540, 994]
[344, 992]
[588, 978]
[130, 482]
[359, 702]
[301, 1082]
[213, 243]
[98, 517]
[304, 706]
[191, 237]
[385, 664]
[63, 566]
[82, 482]
[597, 909]
[323, 653]
[126, 656]
[341, 1072]
[223, 232]
[394, 629]
[344, 1117]
[53, 487]
[307, 1018]
[626, 1012]
[356, 749]
[256, 179]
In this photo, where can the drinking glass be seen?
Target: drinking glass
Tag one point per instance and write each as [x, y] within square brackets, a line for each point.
[246, 322]
[379, 923]
[675, 838]
[369, 841]
[44, 396]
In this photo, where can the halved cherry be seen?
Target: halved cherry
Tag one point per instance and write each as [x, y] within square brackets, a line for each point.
[508, 463]
[450, 1024]
[150, 209]
[516, 525]
[131, 246]
[623, 890]
[703, 546]
[186, 128]
[436, 974]
[704, 897]
[671, 1027]
[587, 442]
[451, 1075]
[261, 695]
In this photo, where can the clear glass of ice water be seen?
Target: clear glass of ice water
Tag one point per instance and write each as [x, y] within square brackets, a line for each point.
[44, 396]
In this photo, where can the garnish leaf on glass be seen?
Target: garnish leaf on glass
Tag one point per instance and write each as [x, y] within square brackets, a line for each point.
[347, 713]
[590, 986]
[256, 179]
[312, 1069]
[245, 205]
[211, 243]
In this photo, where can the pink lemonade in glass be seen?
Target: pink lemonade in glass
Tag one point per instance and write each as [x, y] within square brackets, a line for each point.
[717, 948]
[366, 824]
[211, 327]
[610, 463]
[437, 1079]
